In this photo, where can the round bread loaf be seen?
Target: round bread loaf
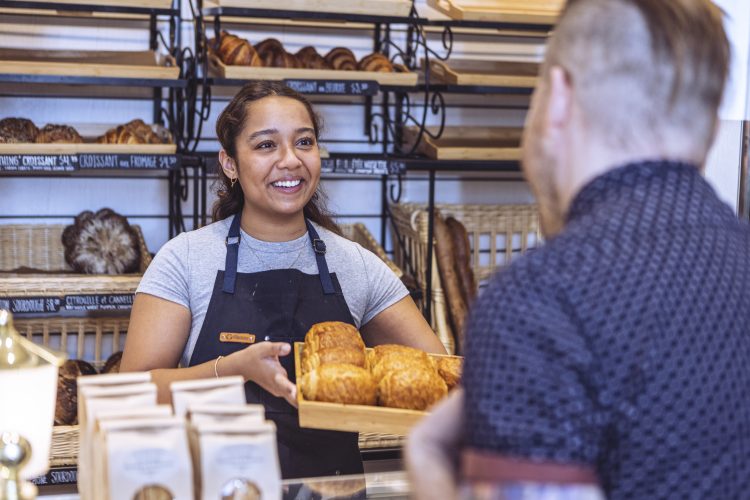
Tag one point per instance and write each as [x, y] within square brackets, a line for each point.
[113, 363]
[101, 243]
[17, 130]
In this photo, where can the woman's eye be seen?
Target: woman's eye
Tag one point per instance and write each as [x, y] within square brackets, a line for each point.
[306, 141]
[265, 145]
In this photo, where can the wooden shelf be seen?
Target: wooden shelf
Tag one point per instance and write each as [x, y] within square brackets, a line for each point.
[388, 8]
[500, 11]
[469, 143]
[484, 73]
[105, 64]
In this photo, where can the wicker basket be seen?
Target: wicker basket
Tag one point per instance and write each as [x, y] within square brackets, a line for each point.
[39, 247]
[358, 233]
[497, 233]
[91, 339]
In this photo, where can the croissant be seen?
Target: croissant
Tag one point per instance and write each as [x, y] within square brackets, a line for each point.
[389, 360]
[449, 370]
[412, 389]
[236, 51]
[269, 51]
[58, 134]
[121, 135]
[347, 355]
[341, 58]
[310, 59]
[339, 383]
[375, 62]
[331, 334]
[284, 59]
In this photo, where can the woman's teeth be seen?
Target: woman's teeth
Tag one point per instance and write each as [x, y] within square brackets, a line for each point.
[287, 184]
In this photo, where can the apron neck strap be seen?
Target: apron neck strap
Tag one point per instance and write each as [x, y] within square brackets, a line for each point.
[233, 251]
[319, 247]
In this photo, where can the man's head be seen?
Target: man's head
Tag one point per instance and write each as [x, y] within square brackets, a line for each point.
[623, 80]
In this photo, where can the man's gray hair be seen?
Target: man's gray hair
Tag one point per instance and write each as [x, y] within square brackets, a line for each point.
[644, 70]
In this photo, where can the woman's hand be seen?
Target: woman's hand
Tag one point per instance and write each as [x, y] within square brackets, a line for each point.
[259, 363]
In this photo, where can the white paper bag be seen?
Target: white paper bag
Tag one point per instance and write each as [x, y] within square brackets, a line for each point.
[146, 452]
[223, 453]
[251, 415]
[227, 390]
[93, 398]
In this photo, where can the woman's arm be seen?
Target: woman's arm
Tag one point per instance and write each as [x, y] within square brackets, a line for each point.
[402, 323]
[158, 332]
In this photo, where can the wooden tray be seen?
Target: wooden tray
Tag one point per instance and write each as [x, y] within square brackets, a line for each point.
[391, 8]
[352, 418]
[501, 11]
[145, 64]
[81, 148]
[469, 143]
[219, 69]
[487, 73]
[149, 4]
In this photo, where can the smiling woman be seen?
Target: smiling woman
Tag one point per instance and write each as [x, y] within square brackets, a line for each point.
[270, 267]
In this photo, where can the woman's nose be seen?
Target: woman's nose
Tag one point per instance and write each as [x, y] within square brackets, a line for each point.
[289, 158]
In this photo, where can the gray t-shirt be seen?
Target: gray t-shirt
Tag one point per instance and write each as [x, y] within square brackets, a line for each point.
[184, 271]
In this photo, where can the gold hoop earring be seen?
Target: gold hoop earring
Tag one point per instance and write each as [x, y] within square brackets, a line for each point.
[232, 182]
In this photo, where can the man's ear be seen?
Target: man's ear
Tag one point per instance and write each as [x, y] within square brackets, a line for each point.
[559, 100]
[228, 165]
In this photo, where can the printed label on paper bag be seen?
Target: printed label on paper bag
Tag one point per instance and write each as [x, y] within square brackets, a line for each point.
[150, 463]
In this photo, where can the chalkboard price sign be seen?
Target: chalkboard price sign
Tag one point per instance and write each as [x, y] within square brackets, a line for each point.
[334, 87]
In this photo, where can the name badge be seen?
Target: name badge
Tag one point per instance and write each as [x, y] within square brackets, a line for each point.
[239, 338]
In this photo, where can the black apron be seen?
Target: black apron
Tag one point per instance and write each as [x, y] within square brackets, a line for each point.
[280, 306]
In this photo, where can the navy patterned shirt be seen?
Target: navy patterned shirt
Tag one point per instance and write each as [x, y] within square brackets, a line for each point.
[623, 344]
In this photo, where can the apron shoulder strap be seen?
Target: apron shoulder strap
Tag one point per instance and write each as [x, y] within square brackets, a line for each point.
[319, 247]
[233, 249]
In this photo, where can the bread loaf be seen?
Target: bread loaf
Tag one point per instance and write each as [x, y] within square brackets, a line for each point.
[101, 243]
[66, 406]
[449, 370]
[375, 62]
[17, 130]
[412, 389]
[339, 383]
[446, 259]
[310, 59]
[58, 134]
[112, 364]
[333, 334]
[342, 59]
[462, 253]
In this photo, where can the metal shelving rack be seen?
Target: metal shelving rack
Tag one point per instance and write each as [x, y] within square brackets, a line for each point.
[170, 98]
[395, 162]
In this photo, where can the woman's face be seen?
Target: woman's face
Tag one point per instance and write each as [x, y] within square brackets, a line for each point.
[278, 155]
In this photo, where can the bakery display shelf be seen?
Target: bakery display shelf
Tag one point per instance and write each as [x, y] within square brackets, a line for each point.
[470, 72]
[352, 418]
[31, 160]
[364, 79]
[151, 7]
[475, 89]
[468, 143]
[34, 277]
[531, 12]
[143, 68]
[305, 9]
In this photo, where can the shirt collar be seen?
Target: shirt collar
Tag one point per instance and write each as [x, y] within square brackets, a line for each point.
[623, 182]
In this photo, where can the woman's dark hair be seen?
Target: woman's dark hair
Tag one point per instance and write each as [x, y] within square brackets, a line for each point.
[229, 126]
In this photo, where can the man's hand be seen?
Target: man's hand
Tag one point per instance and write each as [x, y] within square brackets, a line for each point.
[432, 450]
